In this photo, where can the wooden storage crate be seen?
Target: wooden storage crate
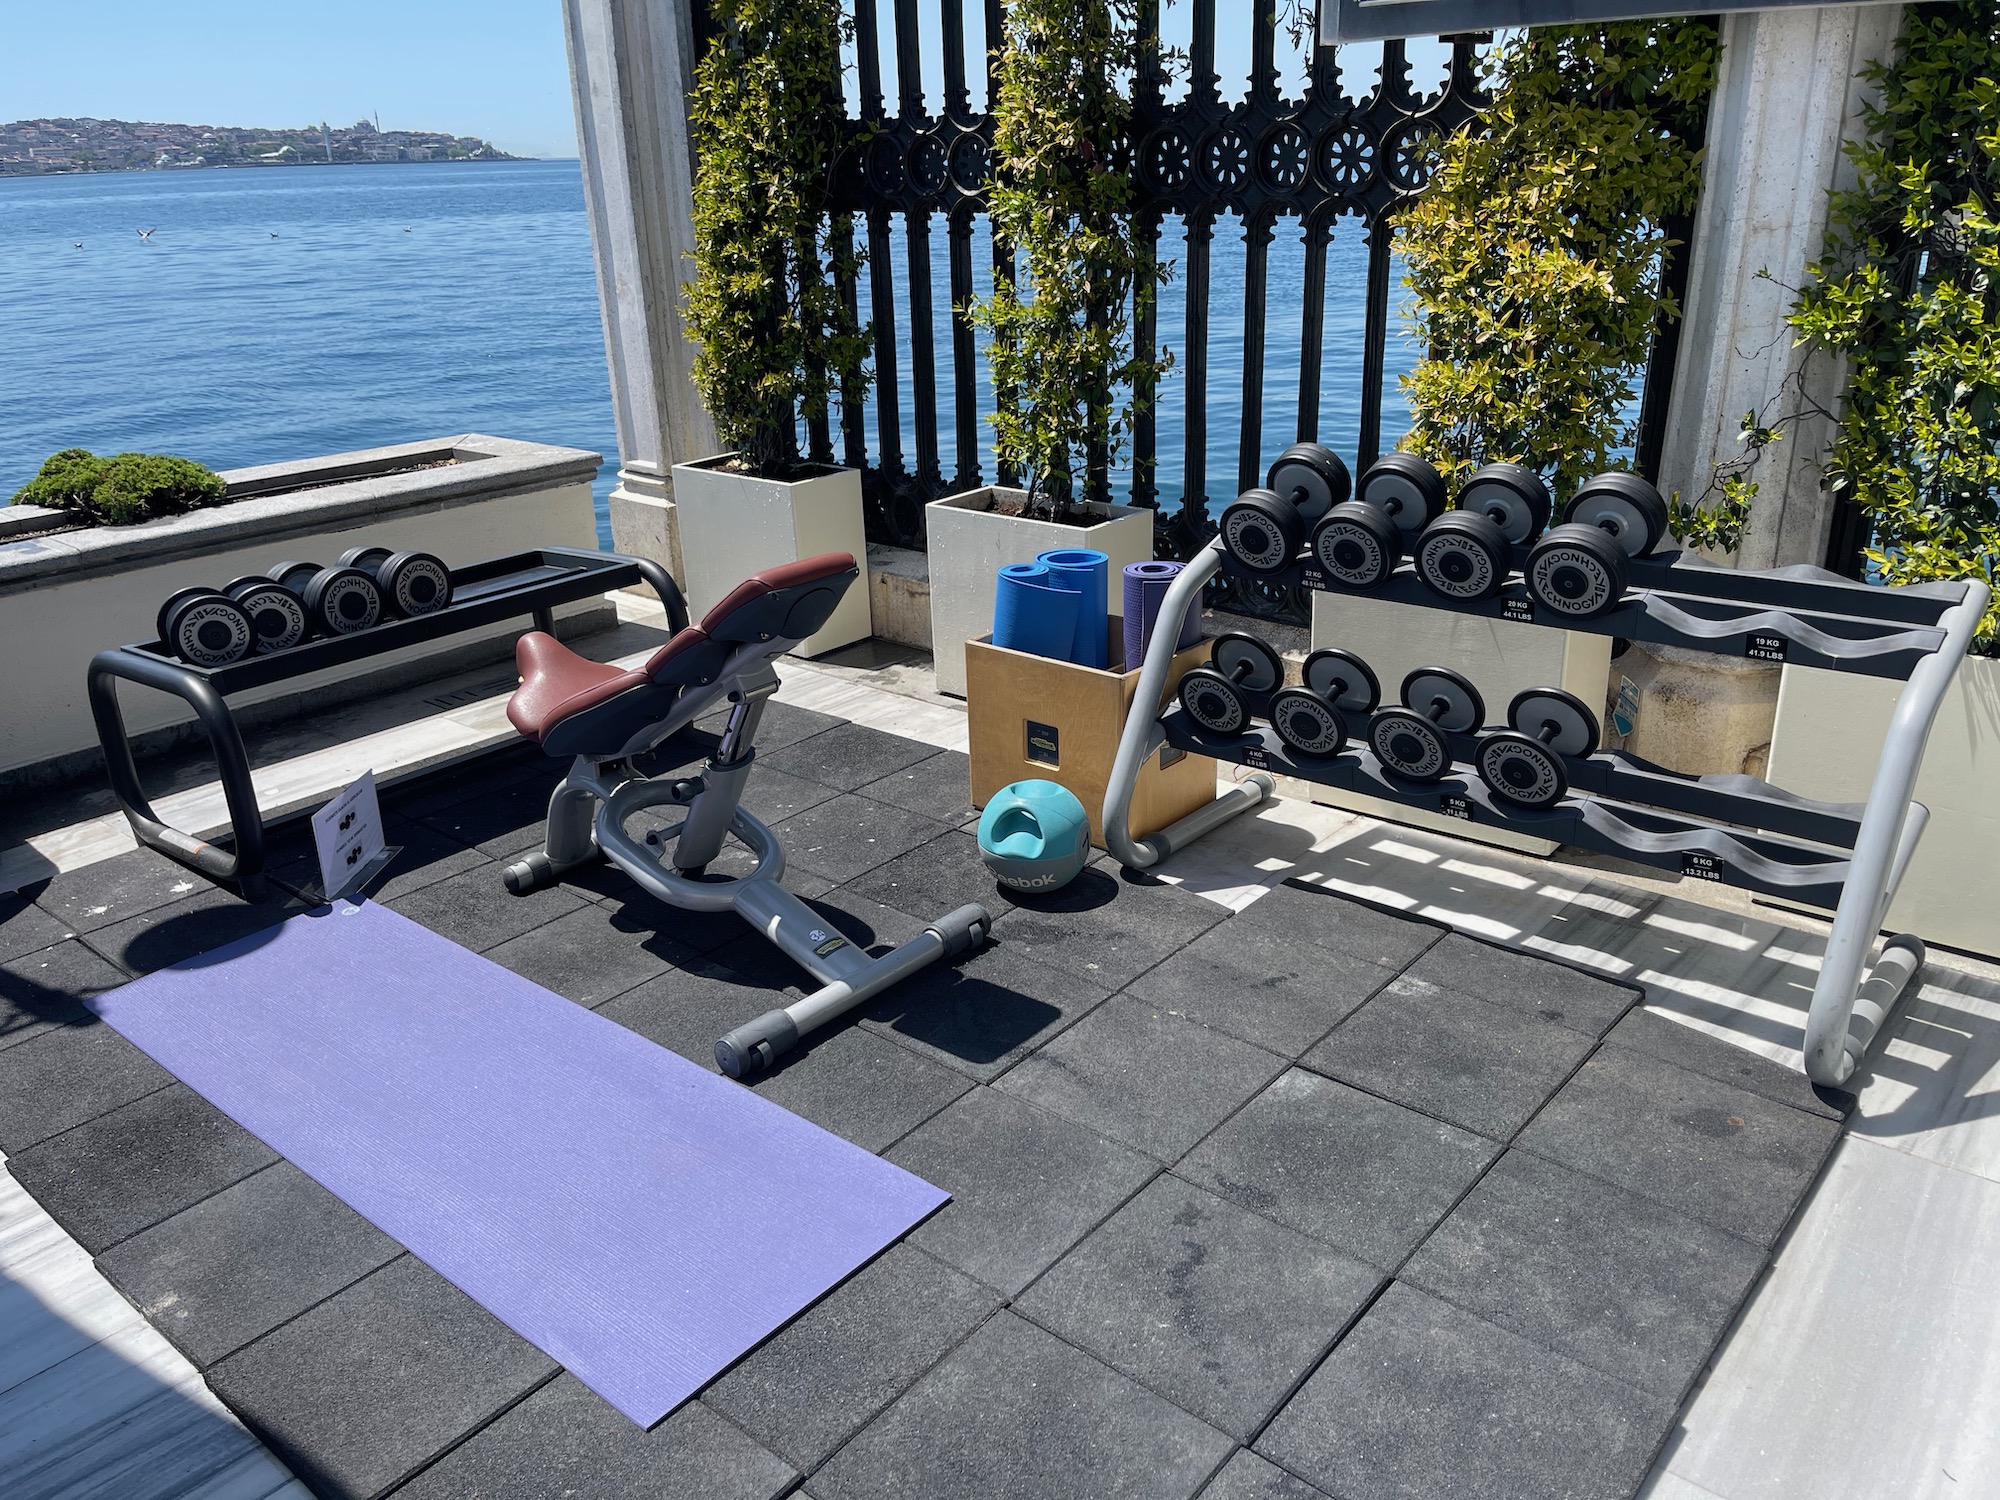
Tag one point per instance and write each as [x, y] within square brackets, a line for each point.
[1031, 717]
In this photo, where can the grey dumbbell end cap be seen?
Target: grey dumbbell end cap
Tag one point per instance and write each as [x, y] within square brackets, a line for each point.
[755, 1045]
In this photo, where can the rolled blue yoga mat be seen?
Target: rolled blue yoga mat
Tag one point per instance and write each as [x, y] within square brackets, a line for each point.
[1084, 570]
[1146, 585]
[1031, 613]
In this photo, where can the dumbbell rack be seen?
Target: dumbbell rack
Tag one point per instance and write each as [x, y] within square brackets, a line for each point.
[529, 584]
[1738, 830]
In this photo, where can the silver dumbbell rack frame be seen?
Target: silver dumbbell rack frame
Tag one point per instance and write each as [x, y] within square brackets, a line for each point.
[1738, 830]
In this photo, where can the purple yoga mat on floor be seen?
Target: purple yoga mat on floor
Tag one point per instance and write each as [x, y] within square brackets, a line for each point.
[639, 1219]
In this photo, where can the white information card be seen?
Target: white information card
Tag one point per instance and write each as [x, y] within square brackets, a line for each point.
[348, 831]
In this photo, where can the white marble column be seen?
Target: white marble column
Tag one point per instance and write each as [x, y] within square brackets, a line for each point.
[631, 62]
[1786, 99]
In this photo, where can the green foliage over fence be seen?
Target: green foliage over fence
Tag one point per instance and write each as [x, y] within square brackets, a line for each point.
[122, 489]
[1535, 254]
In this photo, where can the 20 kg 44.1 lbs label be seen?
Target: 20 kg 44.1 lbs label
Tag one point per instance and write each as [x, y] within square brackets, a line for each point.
[1522, 610]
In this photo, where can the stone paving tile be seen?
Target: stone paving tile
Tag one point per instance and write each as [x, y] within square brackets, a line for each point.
[850, 835]
[590, 955]
[1484, 1067]
[189, 927]
[45, 990]
[845, 757]
[940, 788]
[1299, 914]
[232, 1267]
[477, 911]
[1656, 1036]
[1017, 1413]
[1262, 984]
[1534, 986]
[565, 1443]
[1589, 1270]
[1217, 1309]
[67, 1075]
[114, 889]
[861, 1086]
[25, 928]
[125, 1171]
[692, 1006]
[1025, 1185]
[369, 1386]
[1366, 1176]
[1248, 1477]
[1726, 1156]
[1422, 1399]
[1108, 925]
[827, 1374]
[1153, 1081]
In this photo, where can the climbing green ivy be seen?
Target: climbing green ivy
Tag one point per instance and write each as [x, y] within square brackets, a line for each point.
[1908, 291]
[1535, 254]
[775, 339]
[1060, 351]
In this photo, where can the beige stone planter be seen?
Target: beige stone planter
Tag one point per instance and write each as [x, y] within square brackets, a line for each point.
[969, 544]
[732, 525]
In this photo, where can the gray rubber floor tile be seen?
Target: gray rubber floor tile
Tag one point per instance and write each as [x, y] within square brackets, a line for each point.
[26, 928]
[694, 931]
[191, 926]
[465, 781]
[566, 1443]
[66, 1075]
[1485, 1067]
[1657, 1036]
[1422, 1400]
[127, 1170]
[846, 757]
[424, 857]
[864, 922]
[506, 820]
[1262, 984]
[773, 795]
[981, 1013]
[1248, 1477]
[1154, 1081]
[234, 1266]
[590, 955]
[1107, 925]
[1728, 1157]
[937, 877]
[1533, 986]
[477, 911]
[1366, 1176]
[113, 889]
[368, 1387]
[849, 836]
[1591, 1271]
[1297, 914]
[861, 1086]
[1016, 1414]
[1026, 1185]
[843, 1360]
[1217, 1309]
[690, 1007]
[940, 788]
[42, 990]
[785, 724]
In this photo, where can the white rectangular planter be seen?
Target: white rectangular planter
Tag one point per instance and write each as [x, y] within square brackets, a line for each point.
[969, 544]
[1826, 743]
[733, 525]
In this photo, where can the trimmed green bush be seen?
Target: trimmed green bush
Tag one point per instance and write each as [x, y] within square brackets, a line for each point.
[122, 489]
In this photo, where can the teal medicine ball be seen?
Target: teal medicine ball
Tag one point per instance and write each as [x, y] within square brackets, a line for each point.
[1035, 836]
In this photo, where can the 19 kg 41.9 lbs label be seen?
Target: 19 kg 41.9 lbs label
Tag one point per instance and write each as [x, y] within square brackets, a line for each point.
[1763, 647]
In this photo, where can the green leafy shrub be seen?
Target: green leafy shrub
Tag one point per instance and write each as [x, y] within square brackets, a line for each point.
[122, 489]
[1535, 253]
[1908, 291]
[1060, 346]
[775, 336]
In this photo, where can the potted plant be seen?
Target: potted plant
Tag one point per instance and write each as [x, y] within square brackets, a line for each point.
[1060, 346]
[775, 337]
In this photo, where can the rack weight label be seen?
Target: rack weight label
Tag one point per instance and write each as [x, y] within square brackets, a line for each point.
[1699, 864]
[1255, 758]
[1764, 646]
[1312, 578]
[1520, 610]
[1455, 805]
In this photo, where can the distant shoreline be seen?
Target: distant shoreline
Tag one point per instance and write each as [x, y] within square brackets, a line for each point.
[84, 145]
[269, 166]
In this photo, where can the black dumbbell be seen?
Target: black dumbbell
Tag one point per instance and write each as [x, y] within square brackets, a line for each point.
[295, 575]
[1511, 496]
[1357, 545]
[1313, 719]
[1262, 530]
[1464, 554]
[1523, 764]
[338, 600]
[1408, 740]
[1312, 477]
[277, 615]
[367, 559]
[1625, 506]
[204, 627]
[412, 583]
[1405, 488]
[1578, 570]
[1238, 663]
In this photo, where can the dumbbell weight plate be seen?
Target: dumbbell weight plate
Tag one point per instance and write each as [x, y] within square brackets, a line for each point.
[1262, 530]
[1576, 570]
[1307, 722]
[367, 559]
[1464, 710]
[1247, 662]
[1405, 488]
[277, 615]
[342, 601]
[1409, 745]
[1512, 496]
[1521, 770]
[414, 583]
[1342, 679]
[1624, 506]
[1213, 702]
[1463, 555]
[295, 575]
[1576, 729]
[1312, 476]
[166, 608]
[1357, 545]
[209, 630]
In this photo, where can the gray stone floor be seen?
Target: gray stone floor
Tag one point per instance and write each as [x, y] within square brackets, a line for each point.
[1313, 1199]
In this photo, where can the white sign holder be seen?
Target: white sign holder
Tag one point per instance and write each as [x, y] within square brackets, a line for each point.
[348, 834]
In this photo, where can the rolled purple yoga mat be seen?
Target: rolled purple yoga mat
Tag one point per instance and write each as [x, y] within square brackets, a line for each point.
[1146, 585]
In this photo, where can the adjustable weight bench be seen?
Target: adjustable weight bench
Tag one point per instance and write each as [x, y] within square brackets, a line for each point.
[604, 715]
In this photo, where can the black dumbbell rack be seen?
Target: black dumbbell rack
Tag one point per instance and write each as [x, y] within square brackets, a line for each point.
[531, 584]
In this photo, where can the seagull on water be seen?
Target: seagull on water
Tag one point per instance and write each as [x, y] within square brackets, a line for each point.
[274, 234]
[79, 244]
[147, 234]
